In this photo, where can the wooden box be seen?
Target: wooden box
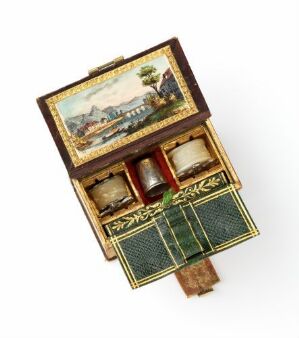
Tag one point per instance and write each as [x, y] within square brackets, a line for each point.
[146, 106]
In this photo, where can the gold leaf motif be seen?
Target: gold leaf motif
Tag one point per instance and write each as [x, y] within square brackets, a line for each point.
[152, 210]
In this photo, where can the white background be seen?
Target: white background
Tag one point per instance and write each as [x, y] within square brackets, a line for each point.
[54, 281]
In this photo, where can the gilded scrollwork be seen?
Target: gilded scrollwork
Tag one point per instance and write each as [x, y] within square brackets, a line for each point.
[152, 210]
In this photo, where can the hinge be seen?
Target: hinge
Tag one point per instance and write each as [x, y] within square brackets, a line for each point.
[105, 65]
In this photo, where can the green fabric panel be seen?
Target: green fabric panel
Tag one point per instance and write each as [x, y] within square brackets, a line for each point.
[221, 219]
[173, 246]
[182, 230]
[196, 258]
[157, 240]
[198, 229]
[146, 253]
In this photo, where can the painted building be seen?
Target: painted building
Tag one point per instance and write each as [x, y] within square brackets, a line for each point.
[169, 85]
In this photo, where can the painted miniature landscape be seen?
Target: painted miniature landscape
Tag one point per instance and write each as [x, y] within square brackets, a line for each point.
[122, 105]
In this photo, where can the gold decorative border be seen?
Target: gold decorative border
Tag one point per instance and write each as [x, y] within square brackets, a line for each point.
[95, 222]
[221, 154]
[156, 208]
[52, 104]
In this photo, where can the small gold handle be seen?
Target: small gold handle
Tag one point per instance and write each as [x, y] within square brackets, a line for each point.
[105, 65]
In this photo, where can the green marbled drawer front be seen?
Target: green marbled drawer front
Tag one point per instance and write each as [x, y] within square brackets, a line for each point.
[200, 221]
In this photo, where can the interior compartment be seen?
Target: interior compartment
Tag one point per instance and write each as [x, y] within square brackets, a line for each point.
[158, 156]
[128, 171]
[120, 169]
[209, 169]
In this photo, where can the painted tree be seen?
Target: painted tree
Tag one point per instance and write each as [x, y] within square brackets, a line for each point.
[150, 77]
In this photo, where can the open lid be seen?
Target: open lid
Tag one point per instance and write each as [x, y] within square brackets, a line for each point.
[124, 106]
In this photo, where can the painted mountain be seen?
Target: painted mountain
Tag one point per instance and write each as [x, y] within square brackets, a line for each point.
[95, 115]
[77, 124]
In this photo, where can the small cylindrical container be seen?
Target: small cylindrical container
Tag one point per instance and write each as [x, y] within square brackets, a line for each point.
[109, 191]
[151, 178]
[188, 155]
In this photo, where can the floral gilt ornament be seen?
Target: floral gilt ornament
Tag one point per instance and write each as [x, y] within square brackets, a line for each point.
[181, 197]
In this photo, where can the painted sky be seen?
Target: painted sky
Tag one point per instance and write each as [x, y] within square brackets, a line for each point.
[112, 92]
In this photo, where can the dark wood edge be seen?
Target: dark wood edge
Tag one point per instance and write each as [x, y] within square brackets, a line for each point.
[117, 154]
